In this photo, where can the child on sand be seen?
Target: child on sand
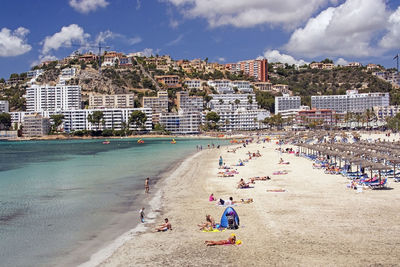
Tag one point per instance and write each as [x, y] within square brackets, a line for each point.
[142, 215]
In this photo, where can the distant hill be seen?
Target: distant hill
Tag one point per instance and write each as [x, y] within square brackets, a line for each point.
[309, 82]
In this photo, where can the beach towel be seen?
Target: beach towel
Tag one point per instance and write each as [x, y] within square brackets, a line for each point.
[214, 230]
[281, 190]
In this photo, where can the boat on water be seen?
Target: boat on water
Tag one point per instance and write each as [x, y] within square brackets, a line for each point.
[140, 141]
[173, 141]
[106, 142]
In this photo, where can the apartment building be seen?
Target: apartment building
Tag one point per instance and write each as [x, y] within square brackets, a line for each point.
[325, 116]
[256, 68]
[322, 66]
[158, 104]
[4, 106]
[242, 86]
[281, 88]
[287, 102]
[183, 122]
[240, 119]
[351, 102]
[354, 64]
[189, 103]
[77, 120]
[35, 125]
[171, 81]
[263, 86]
[33, 74]
[386, 112]
[111, 101]
[371, 67]
[232, 102]
[53, 98]
[222, 86]
[194, 84]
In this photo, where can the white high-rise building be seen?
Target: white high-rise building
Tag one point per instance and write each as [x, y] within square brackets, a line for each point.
[233, 102]
[183, 122]
[4, 106]
[240, 119]
[352, 101]
[287, 102]
[53, 98]
[189, 103]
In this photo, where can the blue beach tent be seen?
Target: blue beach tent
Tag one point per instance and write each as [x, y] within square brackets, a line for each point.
[229, 211]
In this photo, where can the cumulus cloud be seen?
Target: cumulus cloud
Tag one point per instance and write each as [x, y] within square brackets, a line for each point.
[392, 37]
[13, 43]
[341, 62]
[249, 13]
[221, 59]
[276, 56]
[345, 30]
[43, 58]
[148, 52]
[86, 6]
[64, 38]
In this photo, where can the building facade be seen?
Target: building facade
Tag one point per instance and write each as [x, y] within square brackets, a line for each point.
[111, 101]
[189, 103]
[171, 81]
[351, 102]
[386, 112]
[287, 102]
[256, 68]
[183, 122]
[225, 102]
[53, 98]
[4, 106]
[240, 119]
[35, 125]
[77, 120]
[323, 116]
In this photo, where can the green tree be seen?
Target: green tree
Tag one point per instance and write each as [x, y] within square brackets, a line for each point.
[57, 121]
[138, 118]
[96, 118]
[213, 116]
[5, 121]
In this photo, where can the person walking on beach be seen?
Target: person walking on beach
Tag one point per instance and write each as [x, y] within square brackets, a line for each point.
[142, 215]
[146, 185]
[221, 162]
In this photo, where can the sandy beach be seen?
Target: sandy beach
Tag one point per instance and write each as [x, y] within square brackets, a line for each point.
[318, 221]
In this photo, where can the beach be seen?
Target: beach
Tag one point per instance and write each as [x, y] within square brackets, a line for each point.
[316, 221]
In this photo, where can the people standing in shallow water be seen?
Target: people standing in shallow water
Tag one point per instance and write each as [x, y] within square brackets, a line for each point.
[142, 215]
[146, 185]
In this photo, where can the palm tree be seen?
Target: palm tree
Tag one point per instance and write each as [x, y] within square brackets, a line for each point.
[358, 119]
[237, 102]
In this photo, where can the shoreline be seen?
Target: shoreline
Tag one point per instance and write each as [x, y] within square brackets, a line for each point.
[316, 221]
[154, 205]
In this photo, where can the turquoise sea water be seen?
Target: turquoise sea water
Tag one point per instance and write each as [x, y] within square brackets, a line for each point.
[57, 195]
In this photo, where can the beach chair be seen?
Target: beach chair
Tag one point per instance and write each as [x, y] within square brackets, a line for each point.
[378, 185]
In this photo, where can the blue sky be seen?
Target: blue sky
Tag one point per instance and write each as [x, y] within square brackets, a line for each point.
[292, 31]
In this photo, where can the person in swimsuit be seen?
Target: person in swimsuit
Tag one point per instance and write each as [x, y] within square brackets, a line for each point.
[146, 185]
[164, 227]
[231, 241]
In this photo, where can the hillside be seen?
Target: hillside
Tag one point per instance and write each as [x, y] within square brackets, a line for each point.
[138, 78]
[331, 82]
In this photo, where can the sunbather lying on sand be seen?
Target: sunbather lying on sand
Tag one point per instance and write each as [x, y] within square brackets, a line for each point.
[283, 162]
[258, 178]
[247, 200]
[164, 227]
[243, 184]
[230, 241]
[280, 172]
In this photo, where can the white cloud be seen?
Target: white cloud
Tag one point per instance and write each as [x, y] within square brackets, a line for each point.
[346, 30]
[138, 4]
[64, 38]
[175, 41]
[341, 62]
[276, 56]
[249, 13]
[86, 6]
[392, 38]
[106, 35]
[43, 58]
[221, 59]
[13, 43]
[148, 52]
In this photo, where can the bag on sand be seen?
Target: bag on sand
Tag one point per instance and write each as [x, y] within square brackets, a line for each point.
[232, 222]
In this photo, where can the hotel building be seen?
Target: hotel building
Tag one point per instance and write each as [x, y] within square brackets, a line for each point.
[183, 122]
[352, 101]
[225, 102]
[171, 81]
[111, 101]
[287, 102]
[256, 68]
[158, 104]
[53, 98]
[35, 125]
[189, 103]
